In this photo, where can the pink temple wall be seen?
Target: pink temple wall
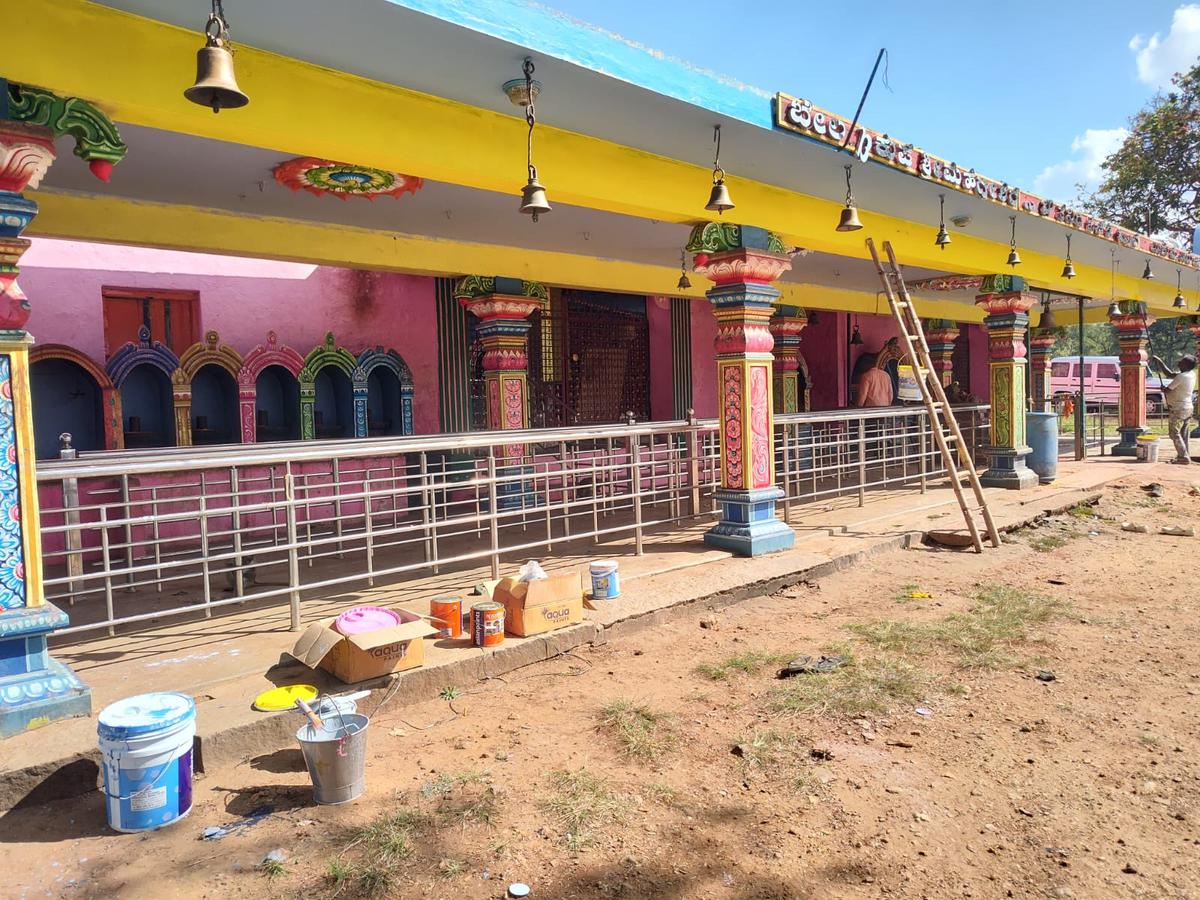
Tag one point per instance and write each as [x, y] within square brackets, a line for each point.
[979, 386]
[243, 300]
[662, 372]
[704, 360]
[823, 346]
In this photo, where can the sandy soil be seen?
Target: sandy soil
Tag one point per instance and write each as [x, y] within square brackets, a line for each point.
[1000, 785]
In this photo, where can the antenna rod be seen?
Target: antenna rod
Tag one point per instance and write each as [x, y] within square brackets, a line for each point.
[863, 100]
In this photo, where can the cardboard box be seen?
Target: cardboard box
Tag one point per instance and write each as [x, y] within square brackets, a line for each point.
[534, 607]
[363, 656]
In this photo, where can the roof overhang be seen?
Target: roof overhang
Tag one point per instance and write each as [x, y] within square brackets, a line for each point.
[626, 132]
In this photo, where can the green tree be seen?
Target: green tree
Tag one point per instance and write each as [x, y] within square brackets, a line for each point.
[1100, 339]
[1152, 181]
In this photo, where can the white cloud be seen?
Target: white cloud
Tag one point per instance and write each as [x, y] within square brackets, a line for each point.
[1158, 57]
[1088, 151]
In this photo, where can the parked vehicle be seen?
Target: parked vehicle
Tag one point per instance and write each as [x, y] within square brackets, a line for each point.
[1101, 380]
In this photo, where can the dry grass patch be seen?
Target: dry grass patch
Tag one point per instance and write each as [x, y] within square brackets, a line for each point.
[751, 662]
[984, 637]
[860, 687]
[366, 865]
[643, 733]
[580, 803]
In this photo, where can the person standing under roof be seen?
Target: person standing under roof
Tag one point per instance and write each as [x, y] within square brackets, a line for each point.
[1178, 396]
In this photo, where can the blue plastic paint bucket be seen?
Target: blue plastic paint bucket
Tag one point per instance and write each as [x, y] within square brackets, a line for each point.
[606, 580]
[146, 756]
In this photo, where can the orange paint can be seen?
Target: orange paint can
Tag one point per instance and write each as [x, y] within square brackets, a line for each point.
[487, 624]
[446, 613]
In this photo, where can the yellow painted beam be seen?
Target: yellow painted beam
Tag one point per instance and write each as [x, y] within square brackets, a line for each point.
[174, 227]
[298, 108]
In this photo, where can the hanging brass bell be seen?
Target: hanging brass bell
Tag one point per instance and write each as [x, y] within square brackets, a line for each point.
[1114, 309]
[1147, 272]
[684, 282]
[216, 87]
[533, 199]
[849, 219]
[1014, 258]
[1068, 270]
[1179, 303]
[1047, 321]
[719, 199]
[943, 237]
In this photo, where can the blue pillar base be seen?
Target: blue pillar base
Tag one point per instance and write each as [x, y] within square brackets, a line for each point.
[35, 690]
[748, 525]
[1007, 469]
[1128, 443]
[511, 495]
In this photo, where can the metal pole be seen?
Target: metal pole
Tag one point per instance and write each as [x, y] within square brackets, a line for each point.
[635, 483]
[370, 531]
[70, 495]
[204, 568]
[862, 463]
[235, 521]
[289, 494]
[493, 512]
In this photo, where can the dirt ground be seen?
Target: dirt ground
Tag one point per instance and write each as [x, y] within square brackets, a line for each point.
[939, 760]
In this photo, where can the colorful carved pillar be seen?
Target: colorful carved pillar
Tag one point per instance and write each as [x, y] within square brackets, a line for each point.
[34, 689]
[1132, 325]
[741, 262]
[785, 327]
[1007, 304]
[503, 307]
[940, 335]
[1041, 348]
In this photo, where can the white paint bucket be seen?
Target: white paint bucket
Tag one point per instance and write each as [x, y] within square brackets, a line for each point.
[146, 755]
[606, 580]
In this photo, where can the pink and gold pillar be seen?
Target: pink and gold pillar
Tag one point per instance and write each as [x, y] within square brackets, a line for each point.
[741, 262]
[941, 335]
[503, 307]
[1007, 303]
[785, 327]
[1133, 332]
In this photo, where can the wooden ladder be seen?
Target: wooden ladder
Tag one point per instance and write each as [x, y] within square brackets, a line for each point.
[941, 418]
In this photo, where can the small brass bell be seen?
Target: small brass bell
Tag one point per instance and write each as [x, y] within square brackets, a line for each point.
[1048, 319]
[718, 199]
[943, 237]
[1179, 303]
[1068, 270]
[1014, 258]
[533, 199]
[1114, 309]
[1147, 272]
[684, 282]
[215, 87]
[849, 219]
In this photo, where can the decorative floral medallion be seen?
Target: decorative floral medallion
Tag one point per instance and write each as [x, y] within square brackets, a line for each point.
[342, 180]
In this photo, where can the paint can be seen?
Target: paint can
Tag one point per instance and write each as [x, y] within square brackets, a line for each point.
[606, 580]
[447, 614]
[146, 756]
[487, 624]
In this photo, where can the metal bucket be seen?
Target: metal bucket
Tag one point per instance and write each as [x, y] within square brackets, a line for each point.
[336, 756]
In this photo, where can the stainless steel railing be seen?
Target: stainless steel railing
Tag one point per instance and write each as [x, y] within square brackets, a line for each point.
[131, 538]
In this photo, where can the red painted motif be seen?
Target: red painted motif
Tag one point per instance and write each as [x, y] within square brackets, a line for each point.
[514, 403]
[493, 407]
[760, 429]
[744, 338]
[735, 476]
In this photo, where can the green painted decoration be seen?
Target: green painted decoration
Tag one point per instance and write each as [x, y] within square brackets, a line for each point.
[471, 286]
[96, 137]
[1002, 284]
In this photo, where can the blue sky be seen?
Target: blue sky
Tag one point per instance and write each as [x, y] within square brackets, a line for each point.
[1034, 93]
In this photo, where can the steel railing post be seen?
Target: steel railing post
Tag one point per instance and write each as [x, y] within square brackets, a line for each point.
[74, 537]
[635, 483]
[862, 462]
[293, 537]
[493, 513]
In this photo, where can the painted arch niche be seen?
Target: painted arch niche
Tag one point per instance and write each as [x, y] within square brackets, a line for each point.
[71, 394]
[333, 394]
[269, 392]
[206, 393]
[389, 392]
[142, 374]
